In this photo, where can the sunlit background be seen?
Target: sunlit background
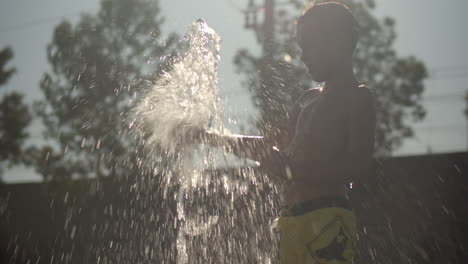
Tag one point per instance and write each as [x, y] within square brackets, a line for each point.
[408, 209]
[429, 29]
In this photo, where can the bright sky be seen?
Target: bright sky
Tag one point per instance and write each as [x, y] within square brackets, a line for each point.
[429, 29]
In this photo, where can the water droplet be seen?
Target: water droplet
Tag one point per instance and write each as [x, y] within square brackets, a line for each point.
[73, 231]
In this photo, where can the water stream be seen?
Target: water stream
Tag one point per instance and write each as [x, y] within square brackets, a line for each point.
[222, 216]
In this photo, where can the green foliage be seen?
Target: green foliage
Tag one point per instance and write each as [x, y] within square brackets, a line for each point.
[5, 55]
[396, 81]
[96, 66]
[14, 117]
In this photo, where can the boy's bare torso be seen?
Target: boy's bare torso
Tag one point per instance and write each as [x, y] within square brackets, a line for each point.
[318, 129]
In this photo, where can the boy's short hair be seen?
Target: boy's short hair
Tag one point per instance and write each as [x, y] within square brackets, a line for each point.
[343, 19]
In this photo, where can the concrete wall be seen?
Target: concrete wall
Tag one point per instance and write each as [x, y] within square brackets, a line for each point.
[412, 210]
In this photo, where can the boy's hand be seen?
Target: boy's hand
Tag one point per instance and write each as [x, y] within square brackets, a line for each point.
[196, 135]
[189, 135]
[276, 164]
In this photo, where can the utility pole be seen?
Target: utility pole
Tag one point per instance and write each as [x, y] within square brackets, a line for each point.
[466, 116]
[261, 18]
[269, 27]
[265, 31]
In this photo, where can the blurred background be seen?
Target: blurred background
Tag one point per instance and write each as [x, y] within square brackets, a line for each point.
[431, 31]
[68, 69]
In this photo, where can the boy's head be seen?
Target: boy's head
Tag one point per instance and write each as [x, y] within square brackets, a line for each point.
[326, 34]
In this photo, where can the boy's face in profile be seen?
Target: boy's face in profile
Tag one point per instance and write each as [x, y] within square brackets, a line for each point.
[312, 51]
[322, 52]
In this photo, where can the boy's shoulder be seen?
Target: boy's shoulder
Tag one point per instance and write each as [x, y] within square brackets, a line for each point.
[305, 96]
[363, 101]
[312, 92]
[363, 94]
[364, 90]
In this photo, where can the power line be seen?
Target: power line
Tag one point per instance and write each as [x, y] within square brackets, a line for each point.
[35, 22]
[235, 6]
[449, 67]
[443, 96]
[455, 71]
[454, 76]
[426, 128]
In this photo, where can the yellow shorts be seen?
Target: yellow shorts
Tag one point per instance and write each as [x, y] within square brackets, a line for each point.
[326, 235]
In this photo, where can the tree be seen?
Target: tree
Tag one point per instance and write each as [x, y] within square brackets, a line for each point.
[14, 117]
[277, 77]
[97, 65]
[466, 100]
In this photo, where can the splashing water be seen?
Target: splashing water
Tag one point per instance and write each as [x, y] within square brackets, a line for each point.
[219, 218]
[187, 95]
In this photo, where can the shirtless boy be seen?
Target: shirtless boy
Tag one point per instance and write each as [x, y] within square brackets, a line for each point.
[326, 143]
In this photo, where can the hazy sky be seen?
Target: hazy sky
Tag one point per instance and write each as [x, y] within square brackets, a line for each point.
[429, 29]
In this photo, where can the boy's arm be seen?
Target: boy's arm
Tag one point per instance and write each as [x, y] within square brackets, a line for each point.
[258, 148]
[251, 147]
[243, 146]
[355, 162]
[281, 133]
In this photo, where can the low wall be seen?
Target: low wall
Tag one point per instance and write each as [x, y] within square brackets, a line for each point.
[412, 210]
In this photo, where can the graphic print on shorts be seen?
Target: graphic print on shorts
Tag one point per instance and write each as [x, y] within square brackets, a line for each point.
[333, 243]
